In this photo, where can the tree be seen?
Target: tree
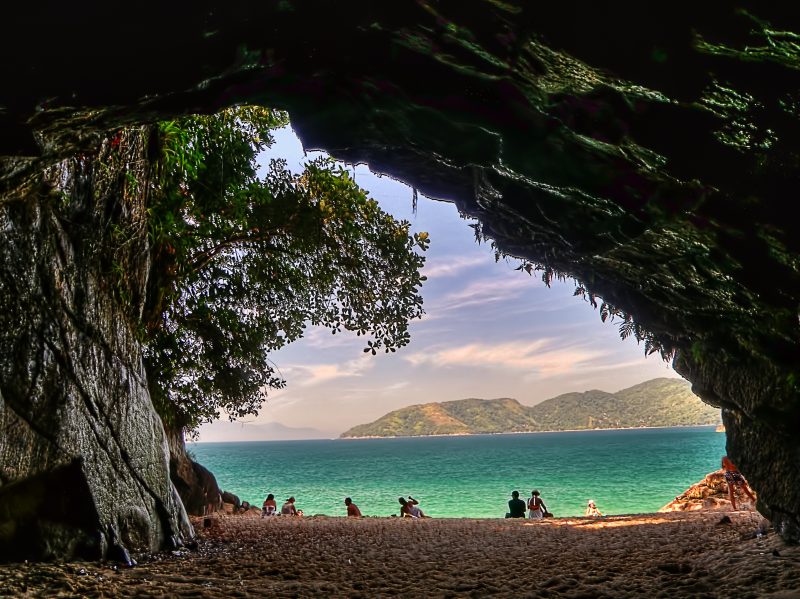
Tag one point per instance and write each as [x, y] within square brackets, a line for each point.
[245, 262]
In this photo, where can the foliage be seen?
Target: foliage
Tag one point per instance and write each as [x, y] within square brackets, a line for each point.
[245, 262]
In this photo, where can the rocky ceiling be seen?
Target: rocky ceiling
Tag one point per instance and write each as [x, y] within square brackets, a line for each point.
[649, 151]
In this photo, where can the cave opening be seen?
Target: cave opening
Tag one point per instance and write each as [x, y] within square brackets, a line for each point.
[490, 331]
[653, 168]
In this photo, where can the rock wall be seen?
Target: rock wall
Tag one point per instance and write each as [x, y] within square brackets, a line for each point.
[760, 413]
[83, 456]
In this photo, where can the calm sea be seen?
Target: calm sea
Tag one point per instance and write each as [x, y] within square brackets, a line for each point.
[624, 471]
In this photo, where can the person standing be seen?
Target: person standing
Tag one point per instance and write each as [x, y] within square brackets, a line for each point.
[516, 506]
[536, 507]
[352, 508]
[734, 479]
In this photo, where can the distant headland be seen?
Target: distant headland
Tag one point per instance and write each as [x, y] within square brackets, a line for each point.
[658, 402]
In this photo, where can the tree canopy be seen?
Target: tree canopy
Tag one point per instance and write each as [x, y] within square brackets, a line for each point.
[245, 259]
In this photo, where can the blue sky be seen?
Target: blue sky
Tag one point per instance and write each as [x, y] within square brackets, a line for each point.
[489, 331]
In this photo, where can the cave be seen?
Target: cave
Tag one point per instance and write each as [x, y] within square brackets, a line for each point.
[650, 152]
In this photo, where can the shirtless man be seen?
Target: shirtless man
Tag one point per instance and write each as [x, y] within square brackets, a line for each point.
[734, 478]
[352, 508]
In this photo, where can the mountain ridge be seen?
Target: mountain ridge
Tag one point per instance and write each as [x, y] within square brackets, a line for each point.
[658, 402]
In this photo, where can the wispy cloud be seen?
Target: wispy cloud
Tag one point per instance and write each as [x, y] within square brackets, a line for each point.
[541, 357]
[451, 266]
[608, 363]
[481, 293]
[388, 389]
[321, 338]
[308, 375]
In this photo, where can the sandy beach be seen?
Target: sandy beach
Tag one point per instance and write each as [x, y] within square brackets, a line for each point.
[683, 554]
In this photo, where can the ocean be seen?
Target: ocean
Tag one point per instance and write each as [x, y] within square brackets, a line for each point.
[624, 471]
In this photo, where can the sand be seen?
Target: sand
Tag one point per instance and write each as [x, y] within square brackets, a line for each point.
[675, 555]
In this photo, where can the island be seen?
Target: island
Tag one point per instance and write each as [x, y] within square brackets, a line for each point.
[658, 402]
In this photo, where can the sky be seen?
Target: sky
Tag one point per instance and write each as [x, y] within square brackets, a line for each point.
[489, 331]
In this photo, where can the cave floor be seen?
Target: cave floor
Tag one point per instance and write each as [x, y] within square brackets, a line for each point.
[684, 554]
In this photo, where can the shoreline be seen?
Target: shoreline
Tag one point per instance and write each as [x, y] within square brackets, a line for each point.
[696, 554]
[576, 430]
[369, 471]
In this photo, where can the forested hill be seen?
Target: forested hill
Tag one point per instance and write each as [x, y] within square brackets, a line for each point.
[658, 402]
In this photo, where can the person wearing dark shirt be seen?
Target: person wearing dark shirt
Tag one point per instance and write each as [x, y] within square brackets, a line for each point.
[516, 507]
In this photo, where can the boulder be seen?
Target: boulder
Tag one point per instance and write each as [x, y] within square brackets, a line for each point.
[196, 485]
[711, 494]
[230, 498]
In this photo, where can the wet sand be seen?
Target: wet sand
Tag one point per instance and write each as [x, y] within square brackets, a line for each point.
[675, 555]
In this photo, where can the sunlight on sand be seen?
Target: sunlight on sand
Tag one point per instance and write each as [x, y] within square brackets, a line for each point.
[603, 522]
[694, 554]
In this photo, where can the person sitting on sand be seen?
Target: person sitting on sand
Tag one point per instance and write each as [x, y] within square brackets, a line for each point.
[414, 509]
[352, 508]
[516, 507]
[288, 508]
[734, 479]
[591, 509]
[270, 507]
[536, 507]
[405, 508]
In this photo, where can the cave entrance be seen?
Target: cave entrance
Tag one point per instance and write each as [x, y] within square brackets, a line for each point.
[490, 331]
[495, 331]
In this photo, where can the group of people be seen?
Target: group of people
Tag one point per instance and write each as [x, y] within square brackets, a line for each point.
[270, 507]
[535, 508]
[409, 508]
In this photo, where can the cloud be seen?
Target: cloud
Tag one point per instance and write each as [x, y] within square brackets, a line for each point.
[450, 266]
[320, 337]
[388, 389]
[481, 293]
[308, 375]
[539, 356]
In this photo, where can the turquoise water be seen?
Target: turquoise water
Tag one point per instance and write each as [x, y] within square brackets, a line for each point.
[624, 471]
